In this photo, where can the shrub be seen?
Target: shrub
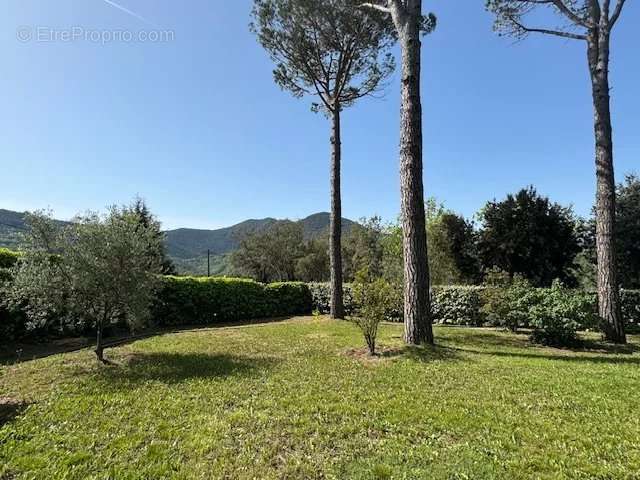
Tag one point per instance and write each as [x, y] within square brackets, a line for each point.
[508, 305]
[558, 315]
[209, 301]
[457, 305]
[374, 298]
[630, 302]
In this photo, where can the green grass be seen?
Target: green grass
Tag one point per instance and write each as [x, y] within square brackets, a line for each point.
[286, 400]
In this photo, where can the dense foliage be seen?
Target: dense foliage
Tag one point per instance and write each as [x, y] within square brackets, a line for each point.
[459, 305]
[554, 313]
[526, 234]
[628, 232]
[12, 320]
[321, 297]
[270, 255]
[8, 258]
[150, 223]
[211, 301]
[557, 315]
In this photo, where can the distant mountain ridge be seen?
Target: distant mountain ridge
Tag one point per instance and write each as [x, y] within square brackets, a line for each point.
[187, 247]
[190, 243]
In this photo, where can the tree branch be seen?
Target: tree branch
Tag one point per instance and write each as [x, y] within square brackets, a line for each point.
[616, 13]
[557, 33]
[559, 4]
[375, 6]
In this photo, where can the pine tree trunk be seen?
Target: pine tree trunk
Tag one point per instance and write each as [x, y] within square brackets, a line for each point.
[335, 235]
[417, 318]
[608, 288]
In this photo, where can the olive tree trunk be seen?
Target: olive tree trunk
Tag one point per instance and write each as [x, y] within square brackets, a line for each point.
[607, 281]
[99, 342]
[335, 227]
[417, 314]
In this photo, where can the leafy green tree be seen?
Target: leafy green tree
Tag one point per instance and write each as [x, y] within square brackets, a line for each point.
[442, 265]
[363, 248]
[627, 240]
[334, 51]
[313, 266]
[584, 269]
[149, 221]
[592, 22]
[526, 234]
[452, 248]
[95, 270]
[463, 247]
[628, 232]
[270, 255]
[392, 255]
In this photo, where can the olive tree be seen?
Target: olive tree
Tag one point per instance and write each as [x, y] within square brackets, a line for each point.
[410, 23]
[338, 53]
[592, 22]
[95, 270]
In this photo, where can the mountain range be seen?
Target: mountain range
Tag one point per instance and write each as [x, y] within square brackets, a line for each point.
[187, 247]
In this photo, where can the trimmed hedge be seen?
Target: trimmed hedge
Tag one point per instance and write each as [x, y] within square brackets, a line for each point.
[8, 258]
[12, 324]
[210, 301]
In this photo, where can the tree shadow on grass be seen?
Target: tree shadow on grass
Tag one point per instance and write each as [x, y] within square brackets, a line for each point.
[563, 357]
[503, 345]
[590, 352]
[420, 353]
[610, 348]
[172, 368]
[480, 337]
[18, 352]
[10, 409]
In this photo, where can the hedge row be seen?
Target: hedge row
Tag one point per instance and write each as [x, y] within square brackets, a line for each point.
[210, 301]
[12, 324]
[8, 258]
[182, 301]
[466, 305]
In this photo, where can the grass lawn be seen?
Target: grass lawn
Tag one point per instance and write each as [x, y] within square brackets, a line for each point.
[293, 400]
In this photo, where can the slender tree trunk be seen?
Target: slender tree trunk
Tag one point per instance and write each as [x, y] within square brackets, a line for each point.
[99, 344]
[608, 288]
[335, 236]
[417, 318]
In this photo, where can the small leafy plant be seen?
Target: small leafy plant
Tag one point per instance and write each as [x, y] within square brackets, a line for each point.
[374, 298]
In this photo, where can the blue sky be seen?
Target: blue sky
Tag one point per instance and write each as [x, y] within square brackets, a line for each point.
[196, 126]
